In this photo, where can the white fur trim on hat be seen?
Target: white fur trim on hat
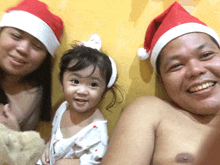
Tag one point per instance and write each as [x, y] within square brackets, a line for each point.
[142, 53]
[33, 25]
[176, 32]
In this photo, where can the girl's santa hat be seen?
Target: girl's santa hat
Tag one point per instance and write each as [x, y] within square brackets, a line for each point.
[34, 17]
[172, 23]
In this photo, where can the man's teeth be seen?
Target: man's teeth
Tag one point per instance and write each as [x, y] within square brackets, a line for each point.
[201, 87]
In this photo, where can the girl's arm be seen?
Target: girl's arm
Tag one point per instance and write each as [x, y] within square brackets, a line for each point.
[67, 162]
[25, 106]
[133, 138]
[8, 118]
[45, 155]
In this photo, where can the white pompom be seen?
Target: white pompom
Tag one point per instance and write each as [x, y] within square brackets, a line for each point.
[142, 53]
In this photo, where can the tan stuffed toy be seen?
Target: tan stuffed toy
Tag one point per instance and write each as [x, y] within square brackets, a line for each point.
[19, 148]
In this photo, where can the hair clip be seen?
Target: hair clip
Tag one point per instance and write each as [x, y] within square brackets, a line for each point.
[96, 43]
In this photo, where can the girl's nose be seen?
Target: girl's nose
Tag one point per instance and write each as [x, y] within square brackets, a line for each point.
[82, 89]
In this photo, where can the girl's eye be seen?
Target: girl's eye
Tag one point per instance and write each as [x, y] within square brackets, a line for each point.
[94, 84]
[75, 81]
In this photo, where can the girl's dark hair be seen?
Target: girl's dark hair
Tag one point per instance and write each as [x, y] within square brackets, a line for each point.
[85, 57]
[158, 58]
[40, 77]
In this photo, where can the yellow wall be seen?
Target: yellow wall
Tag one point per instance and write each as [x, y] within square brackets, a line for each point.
[121, 25]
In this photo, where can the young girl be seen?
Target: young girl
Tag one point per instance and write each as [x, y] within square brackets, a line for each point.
[79, 130]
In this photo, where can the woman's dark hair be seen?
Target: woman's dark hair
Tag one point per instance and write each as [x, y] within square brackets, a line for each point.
[40, 77]
[85, 57]
[158, 58]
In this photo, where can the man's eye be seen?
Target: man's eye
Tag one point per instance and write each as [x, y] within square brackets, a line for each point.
[207, 55]
[175, 67]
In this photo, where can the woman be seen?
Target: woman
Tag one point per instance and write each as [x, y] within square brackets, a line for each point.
[29, 37]
[185, 52]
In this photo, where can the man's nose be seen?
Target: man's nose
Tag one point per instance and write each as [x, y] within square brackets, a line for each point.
[195, 68]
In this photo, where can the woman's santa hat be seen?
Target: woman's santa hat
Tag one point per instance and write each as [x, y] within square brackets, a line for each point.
[34, 17]
[172, 23]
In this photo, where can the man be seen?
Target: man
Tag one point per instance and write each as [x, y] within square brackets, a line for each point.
[185, 52]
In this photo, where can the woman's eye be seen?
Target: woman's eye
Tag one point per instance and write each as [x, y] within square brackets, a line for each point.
[37, 47]
[16, 36]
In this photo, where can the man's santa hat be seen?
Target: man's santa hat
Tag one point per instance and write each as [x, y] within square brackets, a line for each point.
[33, 17]
[172, 23]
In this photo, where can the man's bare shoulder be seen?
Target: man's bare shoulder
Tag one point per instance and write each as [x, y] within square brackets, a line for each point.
[150, 99]
[138, 122]
[147, 109]
[148, 104]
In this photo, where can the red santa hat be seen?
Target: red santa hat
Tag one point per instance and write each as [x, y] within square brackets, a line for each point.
[172, 23]
[34, 17]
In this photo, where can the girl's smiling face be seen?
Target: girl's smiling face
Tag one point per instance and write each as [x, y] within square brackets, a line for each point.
[190, 72]
[83, 89]
[20, 52]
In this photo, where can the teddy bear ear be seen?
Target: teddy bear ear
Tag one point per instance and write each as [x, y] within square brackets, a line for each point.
[142, 53]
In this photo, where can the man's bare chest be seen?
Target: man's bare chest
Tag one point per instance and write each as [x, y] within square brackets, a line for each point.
[179, 142]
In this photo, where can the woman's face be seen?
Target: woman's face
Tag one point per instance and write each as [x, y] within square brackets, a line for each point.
[190, 72]
[20, 52]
